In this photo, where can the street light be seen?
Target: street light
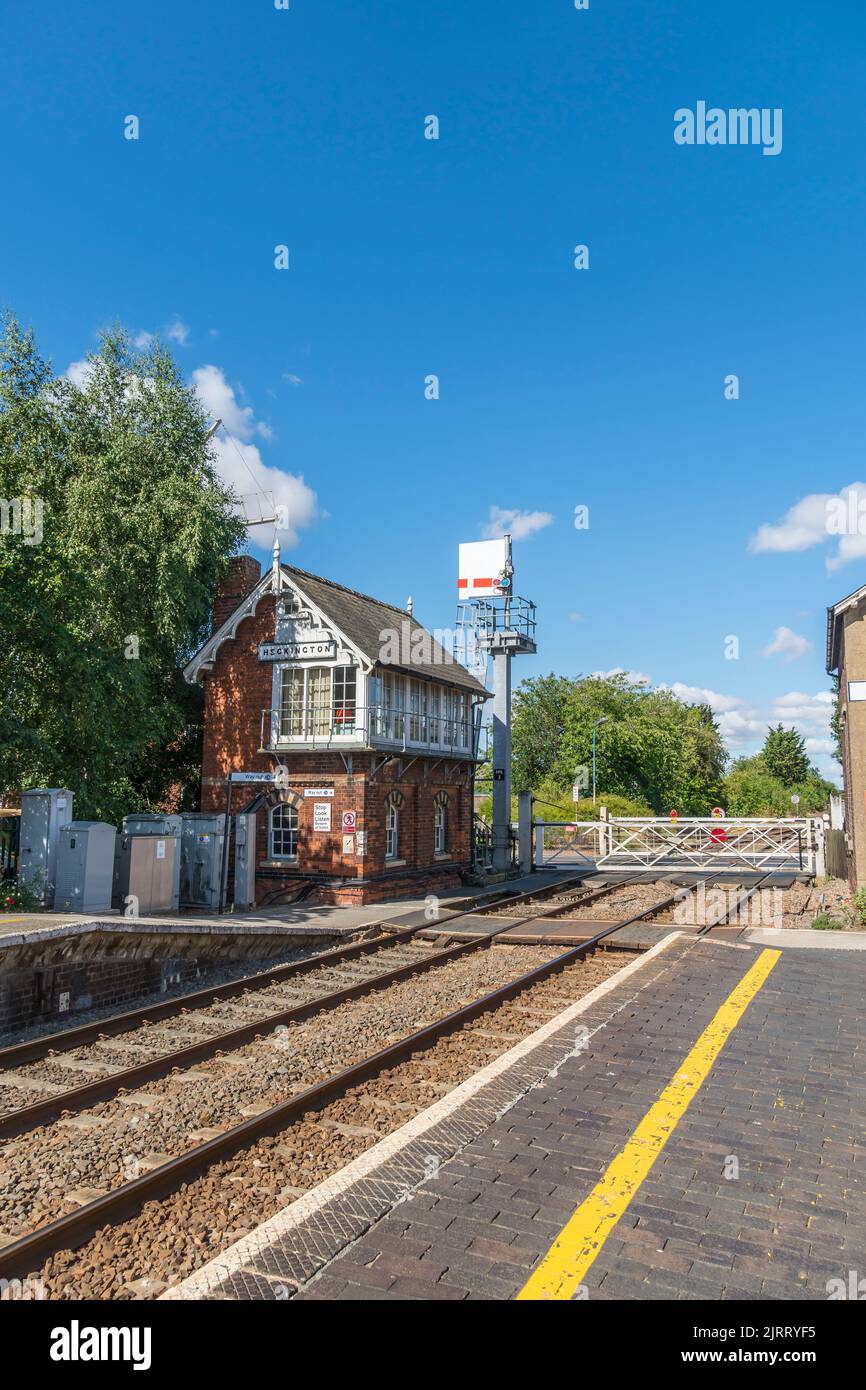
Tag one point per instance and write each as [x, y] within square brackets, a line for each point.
[605, 718]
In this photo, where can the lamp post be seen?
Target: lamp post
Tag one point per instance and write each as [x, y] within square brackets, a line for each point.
[603, 720]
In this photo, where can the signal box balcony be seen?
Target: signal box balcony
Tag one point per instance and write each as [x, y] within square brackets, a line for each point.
[500, 624]
[350, 728]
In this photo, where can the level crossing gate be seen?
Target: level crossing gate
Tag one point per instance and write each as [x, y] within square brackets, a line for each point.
[657, 843]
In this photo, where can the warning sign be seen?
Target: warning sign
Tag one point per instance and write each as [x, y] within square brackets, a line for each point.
[349, 822]
[321, 815]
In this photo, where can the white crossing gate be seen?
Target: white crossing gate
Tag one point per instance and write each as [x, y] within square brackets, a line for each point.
[792, 844]
[706, 842]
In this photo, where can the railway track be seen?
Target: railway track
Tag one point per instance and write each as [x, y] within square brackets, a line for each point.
[171, 1172]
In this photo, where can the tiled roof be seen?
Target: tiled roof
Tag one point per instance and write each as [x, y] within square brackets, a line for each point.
[364, 620]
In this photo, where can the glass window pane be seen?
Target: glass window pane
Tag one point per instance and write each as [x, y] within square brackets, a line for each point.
[344, 699]
[318, 701]
[291, 703]
[284, 832]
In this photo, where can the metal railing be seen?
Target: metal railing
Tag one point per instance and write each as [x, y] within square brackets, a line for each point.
[482, 844]
[499, 622]
[340, 724]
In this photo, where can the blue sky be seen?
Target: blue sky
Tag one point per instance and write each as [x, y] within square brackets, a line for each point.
[454, 257]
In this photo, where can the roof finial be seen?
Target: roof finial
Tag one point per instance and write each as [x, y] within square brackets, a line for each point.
[409, 605]
[275, 584]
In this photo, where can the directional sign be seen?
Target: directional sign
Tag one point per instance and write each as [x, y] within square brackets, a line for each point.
[253, 777]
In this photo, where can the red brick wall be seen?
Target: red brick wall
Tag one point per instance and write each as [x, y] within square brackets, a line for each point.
[241, 577]
[236, 691]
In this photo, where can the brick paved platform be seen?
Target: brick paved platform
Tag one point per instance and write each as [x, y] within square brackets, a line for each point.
[467, 1198]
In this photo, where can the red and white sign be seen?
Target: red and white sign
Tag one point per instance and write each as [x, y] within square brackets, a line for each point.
[349, 822]
[480, 565]
[717, 812]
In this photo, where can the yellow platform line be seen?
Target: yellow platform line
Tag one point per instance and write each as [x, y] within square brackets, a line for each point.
[576, 1247]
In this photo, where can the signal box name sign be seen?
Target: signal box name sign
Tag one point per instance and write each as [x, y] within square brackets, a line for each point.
[296, 651]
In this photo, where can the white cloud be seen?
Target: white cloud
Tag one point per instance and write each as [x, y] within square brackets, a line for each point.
[819, 517]
[78, 372]
[788, 644]
[240, 464]
[512, 521]
[701, 695]
[142, 340]
[292, 379]
[219, 400]
[820, 745]
[632, 677]
[740, 724]
[177, 331]
[795, 706]
[236, 460]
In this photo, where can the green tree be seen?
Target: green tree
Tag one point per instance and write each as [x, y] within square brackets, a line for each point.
[538, 724]
[652, 748]
[751, 790]
[99, 616]
[836, 721]
[785, 756]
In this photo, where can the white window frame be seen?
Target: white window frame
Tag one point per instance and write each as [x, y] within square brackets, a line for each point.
[392, 831]
[292, 831]
[440, 836]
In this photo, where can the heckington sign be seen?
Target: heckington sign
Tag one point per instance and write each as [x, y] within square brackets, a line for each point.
[296, 651]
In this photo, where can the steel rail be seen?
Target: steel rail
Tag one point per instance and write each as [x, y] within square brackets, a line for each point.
[34, 1050]
[722, 917]
[68, 1232]
[77, 1098]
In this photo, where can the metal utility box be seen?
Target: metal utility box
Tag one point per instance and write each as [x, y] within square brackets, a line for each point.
[85, 866]
[201, 857]
[245, 860]
[43, 811]
[147, 864]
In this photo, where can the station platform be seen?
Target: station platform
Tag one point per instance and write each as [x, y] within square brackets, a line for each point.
[301, 919]
[692, 1129]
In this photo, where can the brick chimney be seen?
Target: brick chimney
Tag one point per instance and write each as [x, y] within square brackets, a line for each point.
[242, 575]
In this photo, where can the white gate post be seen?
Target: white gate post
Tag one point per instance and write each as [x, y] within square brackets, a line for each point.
[820, 865]
[603, 833]
[539, 842]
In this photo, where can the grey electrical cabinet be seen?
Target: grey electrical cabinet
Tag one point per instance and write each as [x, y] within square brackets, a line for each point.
[85, 866]
[245, 860]
[43, 811]
[201, 859]
[147, 865]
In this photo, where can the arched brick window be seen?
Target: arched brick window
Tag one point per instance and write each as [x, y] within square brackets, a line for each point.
[283, 829]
